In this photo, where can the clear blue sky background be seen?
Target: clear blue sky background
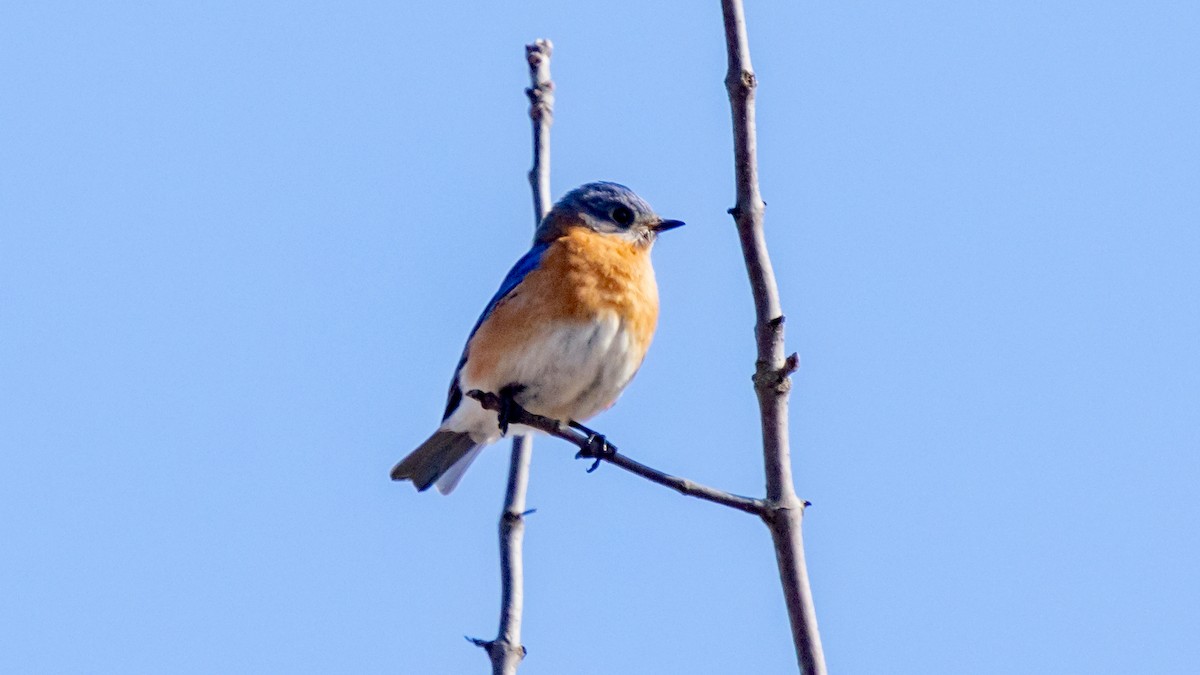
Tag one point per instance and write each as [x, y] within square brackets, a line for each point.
[241, 245]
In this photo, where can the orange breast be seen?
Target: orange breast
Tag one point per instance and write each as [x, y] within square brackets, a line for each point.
[582, 276]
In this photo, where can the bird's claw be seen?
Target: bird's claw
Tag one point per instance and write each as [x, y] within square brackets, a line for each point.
[503, 417]
[508, 406]
[598, 448]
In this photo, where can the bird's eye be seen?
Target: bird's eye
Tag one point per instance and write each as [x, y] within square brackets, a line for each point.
[622, 215]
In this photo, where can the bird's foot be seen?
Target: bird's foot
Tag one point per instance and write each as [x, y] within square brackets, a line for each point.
[508, 406]
[598, 447]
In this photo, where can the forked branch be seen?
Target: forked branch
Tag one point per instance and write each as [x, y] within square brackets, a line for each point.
[772, 368]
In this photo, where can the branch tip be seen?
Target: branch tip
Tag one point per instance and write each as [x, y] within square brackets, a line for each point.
[539, 49]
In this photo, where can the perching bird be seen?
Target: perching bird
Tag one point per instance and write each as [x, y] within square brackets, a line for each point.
[562, 337]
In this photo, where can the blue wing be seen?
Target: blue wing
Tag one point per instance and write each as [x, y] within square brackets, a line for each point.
[516, 275]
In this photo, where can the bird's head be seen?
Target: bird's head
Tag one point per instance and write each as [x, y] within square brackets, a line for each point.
[606, 208]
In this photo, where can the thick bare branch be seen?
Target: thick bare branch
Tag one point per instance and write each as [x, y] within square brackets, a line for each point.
[772, 368]
[506, 650]
[587, 449]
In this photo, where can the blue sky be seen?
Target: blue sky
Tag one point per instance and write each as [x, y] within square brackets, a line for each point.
[241, 245]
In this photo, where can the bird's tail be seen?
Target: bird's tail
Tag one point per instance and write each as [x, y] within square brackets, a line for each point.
[442, 460]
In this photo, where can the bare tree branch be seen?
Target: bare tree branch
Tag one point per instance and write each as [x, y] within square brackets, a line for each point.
[588, 449]
[506, 650]
[772, 369]
[782, 510]
[541, 113]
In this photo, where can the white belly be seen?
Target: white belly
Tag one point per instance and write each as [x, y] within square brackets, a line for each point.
[569, 373]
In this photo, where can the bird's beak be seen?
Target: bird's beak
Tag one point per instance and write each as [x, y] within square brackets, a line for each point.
[664, 225]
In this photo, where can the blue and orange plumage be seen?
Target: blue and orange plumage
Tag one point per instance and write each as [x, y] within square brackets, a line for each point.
[566, 332]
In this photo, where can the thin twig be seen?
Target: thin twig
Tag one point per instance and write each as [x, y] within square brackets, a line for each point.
[772, 367]
[506, 651]
[541, 114]
[688, 487]
[551, 427]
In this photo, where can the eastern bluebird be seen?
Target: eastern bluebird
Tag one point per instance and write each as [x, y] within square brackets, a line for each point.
[562, 337]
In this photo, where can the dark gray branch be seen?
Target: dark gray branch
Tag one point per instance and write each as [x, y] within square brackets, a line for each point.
[772, 368]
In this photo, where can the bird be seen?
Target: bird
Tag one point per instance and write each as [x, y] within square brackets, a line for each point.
[565, 333]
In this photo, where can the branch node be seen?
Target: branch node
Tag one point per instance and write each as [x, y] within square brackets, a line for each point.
[748, 79]
[768, 378]
[775, 510]
[741, 81]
